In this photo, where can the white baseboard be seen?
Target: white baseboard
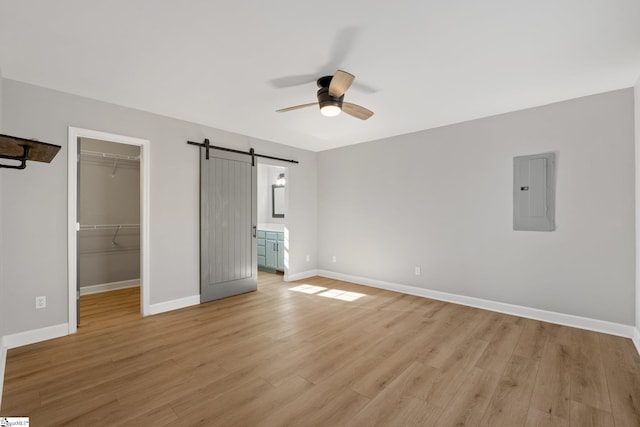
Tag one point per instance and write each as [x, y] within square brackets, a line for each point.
[105, 287]
[611, 328]
[300, 276]
[175, 304]
[36, 335]
[636, 338]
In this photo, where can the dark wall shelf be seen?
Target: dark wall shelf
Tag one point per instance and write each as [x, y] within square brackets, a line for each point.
[21, 150]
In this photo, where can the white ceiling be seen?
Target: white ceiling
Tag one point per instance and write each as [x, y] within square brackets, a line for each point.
[418, 63]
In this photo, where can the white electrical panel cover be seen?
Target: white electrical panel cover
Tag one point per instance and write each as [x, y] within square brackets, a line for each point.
[534, 192]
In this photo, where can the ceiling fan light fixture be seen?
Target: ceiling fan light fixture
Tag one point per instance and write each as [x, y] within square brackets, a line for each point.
[331, 90]
[330, 110]
[330, 106]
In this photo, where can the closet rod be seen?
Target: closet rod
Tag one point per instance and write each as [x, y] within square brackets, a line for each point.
[251, 152]
[107, 226]
[109, 155]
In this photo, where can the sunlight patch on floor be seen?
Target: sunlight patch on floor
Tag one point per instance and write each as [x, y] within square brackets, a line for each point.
[308, 289]
[341, 295]
[328, 293]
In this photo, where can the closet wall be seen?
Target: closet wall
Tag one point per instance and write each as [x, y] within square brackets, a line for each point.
[109, 211]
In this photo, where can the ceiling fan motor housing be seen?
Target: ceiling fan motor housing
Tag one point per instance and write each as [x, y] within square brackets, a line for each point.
[324, 99]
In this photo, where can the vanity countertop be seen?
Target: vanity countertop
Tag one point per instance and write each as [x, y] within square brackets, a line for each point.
[271, 227]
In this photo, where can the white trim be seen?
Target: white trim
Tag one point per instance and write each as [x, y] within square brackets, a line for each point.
[636, 339]
[618, 329]
[175, 304]
[35, 335]
[145, 174]
[3, 362]
[300, 276]
[636, 110]
[106, 287]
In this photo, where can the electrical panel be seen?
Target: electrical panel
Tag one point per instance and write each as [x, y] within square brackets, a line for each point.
[534, 192]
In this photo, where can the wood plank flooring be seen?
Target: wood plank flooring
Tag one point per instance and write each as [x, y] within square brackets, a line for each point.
[321, 352]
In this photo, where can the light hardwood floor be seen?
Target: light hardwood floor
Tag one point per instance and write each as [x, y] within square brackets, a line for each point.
[345, 355]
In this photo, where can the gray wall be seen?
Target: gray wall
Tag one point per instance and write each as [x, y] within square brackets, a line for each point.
[34, 225]
[109, 193]
[442, 199]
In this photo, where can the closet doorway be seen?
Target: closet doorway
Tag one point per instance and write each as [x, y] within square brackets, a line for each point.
[108, 212]
[109, 217]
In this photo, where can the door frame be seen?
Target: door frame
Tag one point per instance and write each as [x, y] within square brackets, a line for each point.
[72, 197]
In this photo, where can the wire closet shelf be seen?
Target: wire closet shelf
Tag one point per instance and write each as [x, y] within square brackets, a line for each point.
[116, 227]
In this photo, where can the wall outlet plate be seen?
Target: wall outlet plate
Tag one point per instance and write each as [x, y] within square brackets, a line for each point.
[41, 302]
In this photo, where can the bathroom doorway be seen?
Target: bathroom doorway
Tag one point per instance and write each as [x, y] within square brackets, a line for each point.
[273, 216]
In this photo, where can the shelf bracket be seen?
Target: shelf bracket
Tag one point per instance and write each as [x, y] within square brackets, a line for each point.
[22, 159]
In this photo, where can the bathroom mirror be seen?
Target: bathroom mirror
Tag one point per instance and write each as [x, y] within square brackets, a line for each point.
[277, 201]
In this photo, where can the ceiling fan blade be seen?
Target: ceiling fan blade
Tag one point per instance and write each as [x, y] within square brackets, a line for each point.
[297, 107]
[363, 87]
[343, 43]
[340, 82]
[291, 81]
[356, 111]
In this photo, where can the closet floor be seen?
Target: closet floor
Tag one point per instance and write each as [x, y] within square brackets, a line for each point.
[107, 309]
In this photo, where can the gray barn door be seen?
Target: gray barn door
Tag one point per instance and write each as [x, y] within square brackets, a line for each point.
[228, 217]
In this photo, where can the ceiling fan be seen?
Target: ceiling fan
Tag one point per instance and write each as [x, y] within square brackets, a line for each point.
[331, 97]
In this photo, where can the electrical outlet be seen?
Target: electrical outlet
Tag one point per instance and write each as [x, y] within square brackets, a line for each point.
[308, 258]
[41, 302]
[334, 259]
[417, 270]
